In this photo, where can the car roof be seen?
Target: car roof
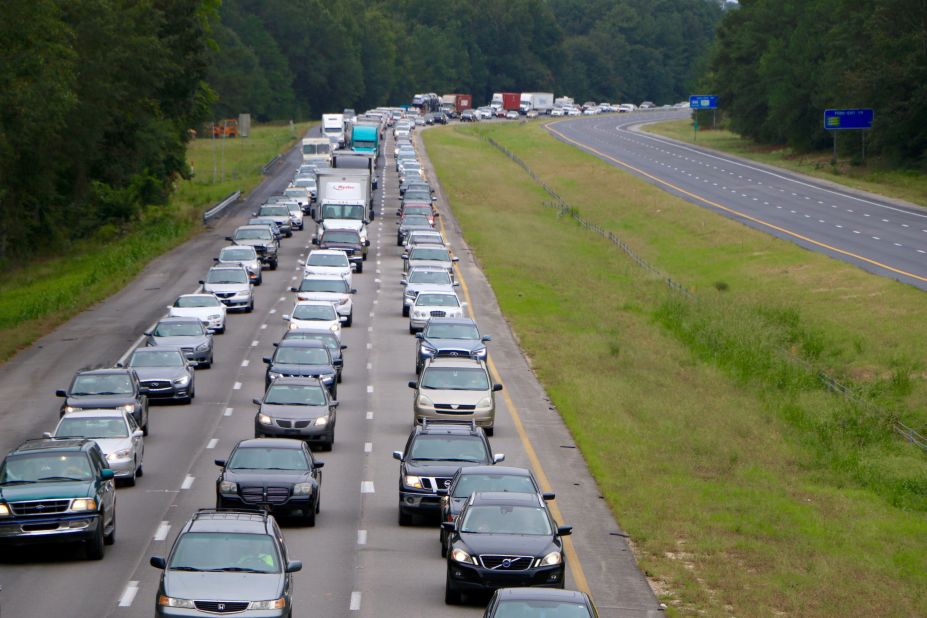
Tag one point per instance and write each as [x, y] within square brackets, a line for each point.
[109, 413]
[314, 331]
[447, 428]
[115, 370]
[210, 520]
[460, 362]
[227, 267]
[541, 594]
[301, 343]
[179, 319]
[500, 470]
[295, 381]
[506, 498]
[322, 277]
[287, 443]
[252, 226]
[196, 294]
[314, 302]
[240, 247]
[54, 444]
[327, 252]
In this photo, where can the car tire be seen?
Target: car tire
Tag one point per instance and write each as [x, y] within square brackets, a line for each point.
[490, 430]
[130, 482]
[451, 595]
[208, 364]
[141, 470]
[360, 267]
[338, 379]
[411, 329]
[399, 241]
[221, 331]
[110, 539]
[250, 307]
[145, 427]
[405, 519]
[405, 311]
[350, 319]
[309, 519]
[443, 544]
[93, 547]
[273, 265]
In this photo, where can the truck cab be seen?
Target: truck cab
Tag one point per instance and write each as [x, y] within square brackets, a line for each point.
[366, 138]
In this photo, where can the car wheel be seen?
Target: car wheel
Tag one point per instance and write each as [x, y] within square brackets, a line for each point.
[130, 482]
[273, 265]
[145, 427]
[350, 319]
[110, 538]
[405, 311]
[259, 281]
[399, 241]
[490, 430]
[451, 595]
[411, 329]
[443, 544]
[360, 267]
[141, 470]
[250, 307]
[221, 331]
[309, 518]
[405, 519]
[93, 546]
[338, 379]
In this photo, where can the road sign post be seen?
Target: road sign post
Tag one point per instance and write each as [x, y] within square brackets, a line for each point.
[853, 119]
[703, 101]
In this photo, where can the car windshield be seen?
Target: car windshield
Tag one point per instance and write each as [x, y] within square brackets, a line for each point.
[328, 259]
[498, 519]
[418, 211]
[455, 379]
[178, 329]
[304, 182]
[293, 208]
[237, 254]
[90, 427]
[301, 356]
[348, 236]
[415, 220]
[469, 483]
[295, 192]
[436, 300]
[112, 384]
[225, 551]
[451, 331]
[336, 286]
[329, 340]
[37, 467]
[156, 358]
[191, 302]
[253, 235]
[343, 211]
[417, 196]
[536, 608]
[314, 312]
[429, 253]
[437, 277]
[274, 211]
[295, 395]
[265, 458]
[448, 448]
[226, 276]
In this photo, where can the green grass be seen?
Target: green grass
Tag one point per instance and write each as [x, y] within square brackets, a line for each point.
[40, 295]
[875, 176]
[747, 488]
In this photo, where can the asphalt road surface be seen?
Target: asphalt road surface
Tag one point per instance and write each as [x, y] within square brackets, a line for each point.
[883, 236]
[358, 561]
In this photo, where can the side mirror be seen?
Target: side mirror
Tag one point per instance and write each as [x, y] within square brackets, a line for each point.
[60, 393]
[485, 338]
[229, 238]
[337, 362]
[448, 526]
[344, 347]
[498, 458]
[158, 562]
[413, 384]
[455, 259]
[202, 282]
[47, 434]
[292, 289]
[215, 259]
[463, 304]
[220, 463]
[318, 464]
[293, 566]
[549, 496]
[147, 333]
[405, 256]
[256, 401]
[285, 317]
[315, 241]
[367, 243]
[334, 404]
[397, 455]
[419, 335]
[366, 221]
[434, 198]
[138, 433]
[441, 491]
[403, 282]
[496, 388]
[119, 365]
[564, 530]
[353, 290]
[106, 474]
[266, 359]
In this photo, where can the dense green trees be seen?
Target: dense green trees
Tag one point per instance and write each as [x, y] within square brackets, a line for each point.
[778, 64]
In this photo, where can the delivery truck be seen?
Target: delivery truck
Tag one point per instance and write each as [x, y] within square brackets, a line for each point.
[511, 101]
[333, 129]
[317, 150]
[541, 102]
[345, 201]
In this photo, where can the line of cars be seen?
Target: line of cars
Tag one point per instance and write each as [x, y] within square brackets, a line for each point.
[496, 531]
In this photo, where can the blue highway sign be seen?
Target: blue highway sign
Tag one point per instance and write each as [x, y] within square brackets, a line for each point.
[703, 101]
[847, 119]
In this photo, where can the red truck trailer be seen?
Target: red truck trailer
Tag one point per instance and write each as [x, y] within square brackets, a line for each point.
[511, 100]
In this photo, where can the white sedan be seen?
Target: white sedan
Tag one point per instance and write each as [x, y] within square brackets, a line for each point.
[206, 307]
[329, 262]
[315, 314]
[429, 305]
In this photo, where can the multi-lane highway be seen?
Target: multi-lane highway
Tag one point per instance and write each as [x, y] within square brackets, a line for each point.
[883, 236]
[358, 561]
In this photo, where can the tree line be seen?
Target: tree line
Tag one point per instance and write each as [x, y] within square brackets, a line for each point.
[778, 64]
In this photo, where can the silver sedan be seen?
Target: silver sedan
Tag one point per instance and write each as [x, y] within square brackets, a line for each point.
[120, 439]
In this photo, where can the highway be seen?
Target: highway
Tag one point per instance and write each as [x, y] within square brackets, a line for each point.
[357, 560]
[883, 236]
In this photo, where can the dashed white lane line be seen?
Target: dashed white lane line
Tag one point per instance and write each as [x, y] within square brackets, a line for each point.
[369, 416]
[228, 411]
[375, 301]
[272, 311]
[370, 388]
[128, 594]
[361, 537]
[263, 326]
[283, 298]
[921, 251]
[164, 528]
[212, 443]
[293, 278]
[254, 343]
[368, 447]
[187, 482]
[369, 366]
[367, 487]
[369, 346]
[876, 238]
[898, 244]
[370, 329]
[245, 363]
[371, 314]
[355, 601]
[236, 386]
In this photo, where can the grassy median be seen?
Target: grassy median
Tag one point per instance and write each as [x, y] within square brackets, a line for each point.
[748, 489]
[40, 295]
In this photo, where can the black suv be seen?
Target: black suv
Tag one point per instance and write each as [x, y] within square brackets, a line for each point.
[503, 540]
[271, 473]
[227, 562]
[434, 452]
[107, 389]
[58, 490]
[302, 358]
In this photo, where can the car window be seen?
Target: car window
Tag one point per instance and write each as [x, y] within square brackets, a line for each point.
[261, 458]
[455, 379]
[430, 253]
[295, 395]
[440, 277]
[295, 192]
[451, 331]
[156, 358]
[227, 275]
[274, 211]
[217, 551]
[497, 519]
[46, 467]
[448, 448]
[107, 384]
[415, 220]
[243, 254]
[338, 286]
[341, 236]
[253, 234]
[90, 427]
[342, 211]
[469, 483]
[436, 300]
[314, 312]
[178, 329]
[301, 356]
[328, 259]
[199, 301]
[540, 609]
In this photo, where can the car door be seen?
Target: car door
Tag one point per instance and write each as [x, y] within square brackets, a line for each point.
[315, 472]
[138, 442]
[105, 489]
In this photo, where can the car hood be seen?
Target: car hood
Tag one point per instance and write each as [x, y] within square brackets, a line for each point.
[254, 242]
[438, 468]
[187, 342]
[468, 345]
[430, 287]
[159, 373]
[438, 395]
[99, 401]
[224, 586]
[415, 226]
[249, 264]
[511, 544]
[42, 491]
[225, 287]
[326, 244]
[293, 412]
[200, 313]
[303, 370]
[111, 445]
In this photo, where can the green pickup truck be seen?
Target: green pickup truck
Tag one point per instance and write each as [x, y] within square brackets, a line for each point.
[58, 491]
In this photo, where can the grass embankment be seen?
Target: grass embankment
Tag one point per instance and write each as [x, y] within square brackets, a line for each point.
[39, 296]
[875, 176]
[747, 488]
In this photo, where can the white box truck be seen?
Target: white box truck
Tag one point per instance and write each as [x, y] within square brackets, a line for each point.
[541, 102]
[345, 201]
[333, 129]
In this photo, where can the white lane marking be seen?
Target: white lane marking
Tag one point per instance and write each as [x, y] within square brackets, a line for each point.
[856, 231]
[283, 298]
[898, 244]
[187, 482]
[884, 220]
[164, 528]
[370, 329]
[367, 487]
[921, 251]
[375, 300]
[254, 344]
[245, 363]
[876, 238]
[370, 388]
[355, 601]
[376, 281]
[369, 416]
[905, 225]
[228, 411]
[368, 447]
[272, 311]
[369, 346]
[129, 594]
[212, 443]
[263, 326]
[371, 314]
[361, 537]
[236, 386]
[369, 366]
[293, 278]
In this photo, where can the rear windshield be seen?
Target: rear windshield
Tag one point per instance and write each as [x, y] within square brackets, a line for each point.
[328, 259]
[110, 384]
[334, 286]
[178, 329]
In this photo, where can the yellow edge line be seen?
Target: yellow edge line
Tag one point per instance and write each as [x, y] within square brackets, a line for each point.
[573, 563]
[704, 200]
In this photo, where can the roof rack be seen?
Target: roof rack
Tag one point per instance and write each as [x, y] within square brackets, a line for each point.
[262, 513]
[426, 423]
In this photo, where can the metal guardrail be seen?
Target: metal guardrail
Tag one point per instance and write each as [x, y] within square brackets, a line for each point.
[218, 208]
[830, 383]
[270, 164]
